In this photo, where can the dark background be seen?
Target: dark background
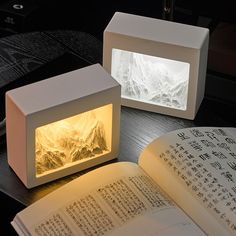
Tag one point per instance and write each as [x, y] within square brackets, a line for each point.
[93, 16]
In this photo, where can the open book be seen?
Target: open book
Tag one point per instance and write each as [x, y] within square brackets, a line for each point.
[184, 184]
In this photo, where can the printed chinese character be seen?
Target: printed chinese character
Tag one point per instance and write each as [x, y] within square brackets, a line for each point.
[230, 140]
[220, 155]
[232, 165]
[216, 165]
[219, 132]
[234, 189]
[196, 133]
[228, 176]
[205, 156]
[195, 145]
[183, 136]
[190, 156]
[232, 154]
[224, 146]
[211, 135]
[208, 143]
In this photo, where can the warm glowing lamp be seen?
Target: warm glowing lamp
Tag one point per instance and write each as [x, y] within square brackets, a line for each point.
[161, 65]
[62, 125]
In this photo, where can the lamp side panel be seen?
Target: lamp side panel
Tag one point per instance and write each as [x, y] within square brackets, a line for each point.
[202, 71]
[107, 51]
[16, 139]
[116, 97]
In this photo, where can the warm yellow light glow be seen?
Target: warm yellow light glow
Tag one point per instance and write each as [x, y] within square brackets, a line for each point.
[75, 139]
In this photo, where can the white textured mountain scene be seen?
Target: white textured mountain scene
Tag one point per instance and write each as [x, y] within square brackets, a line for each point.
[150, 79]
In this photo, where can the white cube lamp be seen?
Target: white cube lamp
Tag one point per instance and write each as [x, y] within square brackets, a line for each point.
[63, 124]
[161, 65]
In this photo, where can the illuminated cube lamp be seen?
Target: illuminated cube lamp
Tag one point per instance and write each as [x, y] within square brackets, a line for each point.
[161, 65]
[63, 124]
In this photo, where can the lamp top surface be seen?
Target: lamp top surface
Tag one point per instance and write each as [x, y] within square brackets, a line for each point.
[61, 89]
[157, 30]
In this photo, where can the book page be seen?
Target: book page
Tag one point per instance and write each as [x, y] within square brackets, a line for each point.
[197, 168]
[118, 199]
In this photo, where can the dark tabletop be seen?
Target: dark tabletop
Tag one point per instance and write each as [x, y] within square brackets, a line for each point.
[138, 128]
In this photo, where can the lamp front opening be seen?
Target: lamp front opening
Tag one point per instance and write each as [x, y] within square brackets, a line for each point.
[73, 140]
[151, 79]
